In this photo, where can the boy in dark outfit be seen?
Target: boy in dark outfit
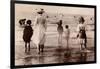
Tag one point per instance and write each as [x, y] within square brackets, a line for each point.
[27, 34]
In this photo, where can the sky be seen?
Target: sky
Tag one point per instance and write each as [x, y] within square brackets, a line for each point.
[22, 8]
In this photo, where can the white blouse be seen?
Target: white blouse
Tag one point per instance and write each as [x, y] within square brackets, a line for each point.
[79, 26]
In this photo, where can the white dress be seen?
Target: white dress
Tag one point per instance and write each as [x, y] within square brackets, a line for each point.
[39, 30]
[67, 34]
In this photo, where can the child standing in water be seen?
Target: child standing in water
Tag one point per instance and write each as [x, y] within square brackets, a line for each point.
[82, 33]
[60, 32]
[27, 34]
[67, 35]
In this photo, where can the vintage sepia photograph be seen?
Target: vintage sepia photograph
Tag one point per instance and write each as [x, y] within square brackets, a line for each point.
[47, 33]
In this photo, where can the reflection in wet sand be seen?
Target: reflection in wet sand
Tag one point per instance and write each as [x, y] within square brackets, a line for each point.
[83, 57]
[57, 55]
[27, 61]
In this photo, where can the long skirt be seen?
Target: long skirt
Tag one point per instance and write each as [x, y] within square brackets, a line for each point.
[39, 35]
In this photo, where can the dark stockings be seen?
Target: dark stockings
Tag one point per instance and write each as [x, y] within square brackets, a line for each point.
[41, 48]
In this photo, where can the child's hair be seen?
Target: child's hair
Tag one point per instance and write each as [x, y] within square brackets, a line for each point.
[81, 19]
[66, 26]
[28, 22]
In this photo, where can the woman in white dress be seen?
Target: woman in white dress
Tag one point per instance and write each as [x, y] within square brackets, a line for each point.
[39, 31]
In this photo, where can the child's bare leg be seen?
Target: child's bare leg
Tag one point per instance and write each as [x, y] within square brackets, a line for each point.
[82, 46]
[85, 45]
[59, 39]
[29, 47]
[25, 47]
[67, 44]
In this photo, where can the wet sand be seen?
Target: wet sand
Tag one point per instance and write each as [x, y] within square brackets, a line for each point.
[52, 55]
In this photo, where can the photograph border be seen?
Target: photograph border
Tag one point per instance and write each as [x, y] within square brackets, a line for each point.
[12, 32]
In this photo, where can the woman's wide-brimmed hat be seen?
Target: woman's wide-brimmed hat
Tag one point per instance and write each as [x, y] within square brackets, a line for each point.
[41, 11]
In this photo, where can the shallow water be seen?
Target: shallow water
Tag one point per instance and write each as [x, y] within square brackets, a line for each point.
[52, 53]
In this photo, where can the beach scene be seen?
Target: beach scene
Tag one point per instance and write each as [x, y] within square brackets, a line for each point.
[52, 52]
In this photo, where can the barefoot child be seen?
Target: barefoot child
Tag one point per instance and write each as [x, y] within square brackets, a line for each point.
[82, 33]
[60, 32]
[27, 34]
[67, 34]
[82, 38]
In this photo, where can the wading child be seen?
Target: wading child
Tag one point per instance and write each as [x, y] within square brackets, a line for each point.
[60, 32]
[27, 34]
[82, 33]
[67, 35]
[82, 38]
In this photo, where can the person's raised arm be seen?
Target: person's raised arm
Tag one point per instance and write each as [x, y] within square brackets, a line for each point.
[45, 25]
[35, 22]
